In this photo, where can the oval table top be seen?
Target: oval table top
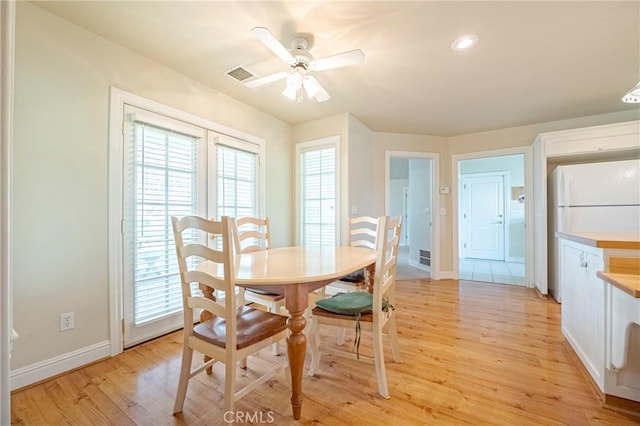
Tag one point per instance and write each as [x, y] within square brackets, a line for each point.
[292, 265]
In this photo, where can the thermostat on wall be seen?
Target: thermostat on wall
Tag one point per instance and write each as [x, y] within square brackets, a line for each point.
[444, 190]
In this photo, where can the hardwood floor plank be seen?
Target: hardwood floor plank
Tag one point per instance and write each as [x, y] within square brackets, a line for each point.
[473, 353]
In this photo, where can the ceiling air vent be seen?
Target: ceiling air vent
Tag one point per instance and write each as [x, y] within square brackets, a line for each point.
[239, 74]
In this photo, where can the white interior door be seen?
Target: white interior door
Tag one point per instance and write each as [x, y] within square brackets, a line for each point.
[483, 217]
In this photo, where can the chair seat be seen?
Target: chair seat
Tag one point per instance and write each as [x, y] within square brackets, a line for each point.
[319, 312]
[253, 325]
[345, 285]
[273, 296]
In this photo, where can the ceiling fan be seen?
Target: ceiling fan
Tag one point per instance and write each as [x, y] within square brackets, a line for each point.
[301, 63]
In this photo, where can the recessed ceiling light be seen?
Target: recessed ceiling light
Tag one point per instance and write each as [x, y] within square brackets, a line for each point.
[464, 42]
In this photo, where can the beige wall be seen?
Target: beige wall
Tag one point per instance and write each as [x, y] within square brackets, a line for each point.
[60, 259]
[360, 170]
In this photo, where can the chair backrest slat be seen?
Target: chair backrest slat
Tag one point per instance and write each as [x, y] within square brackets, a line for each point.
[219, 274]
[388, 240]
[363, 231]
[251, 234]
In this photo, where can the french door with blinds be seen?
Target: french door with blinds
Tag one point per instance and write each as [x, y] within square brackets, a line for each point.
[172, 168]
[317, 164]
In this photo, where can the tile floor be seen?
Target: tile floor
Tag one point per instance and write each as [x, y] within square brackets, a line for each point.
[491, 271]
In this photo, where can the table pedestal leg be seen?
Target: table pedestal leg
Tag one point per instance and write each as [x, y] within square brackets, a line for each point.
[296, 300]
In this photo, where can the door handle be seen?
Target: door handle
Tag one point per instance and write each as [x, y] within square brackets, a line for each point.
[497, 223]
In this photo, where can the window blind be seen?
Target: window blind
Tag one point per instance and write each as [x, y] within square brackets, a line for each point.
[318, 185]
[165, 185]
[237, 182]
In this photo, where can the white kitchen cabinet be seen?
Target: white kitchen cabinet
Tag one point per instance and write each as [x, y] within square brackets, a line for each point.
[611, 137]
[583, 305]
[588, 144]
[601, 322]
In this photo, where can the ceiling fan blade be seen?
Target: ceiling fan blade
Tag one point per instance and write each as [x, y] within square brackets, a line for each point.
[269, 40]
[253, 84]
[340, 60]
[315, 89]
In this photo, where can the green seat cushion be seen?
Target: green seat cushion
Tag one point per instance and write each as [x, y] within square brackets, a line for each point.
[356, 302]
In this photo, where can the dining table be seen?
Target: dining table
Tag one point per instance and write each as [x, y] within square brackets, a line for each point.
[296, 272]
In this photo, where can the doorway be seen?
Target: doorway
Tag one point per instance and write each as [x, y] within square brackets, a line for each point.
[410, 192]
[491, 219]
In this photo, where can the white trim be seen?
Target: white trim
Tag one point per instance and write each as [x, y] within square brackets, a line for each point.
[516, 259]
[447, 275]
[527, 151]
[435, 200]
[42, 370]
[333, 141]
[7, 58]
[419, 265]
[117, 99]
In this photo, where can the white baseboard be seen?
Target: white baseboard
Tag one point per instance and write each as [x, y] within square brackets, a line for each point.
[445, 275]
[514, 259]
[419, 265]
[43, 370]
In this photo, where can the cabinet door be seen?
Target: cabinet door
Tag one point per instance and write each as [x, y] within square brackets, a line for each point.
[583, 306]
[606, 138]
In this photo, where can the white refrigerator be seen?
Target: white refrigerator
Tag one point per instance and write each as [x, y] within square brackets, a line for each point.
[593, 197]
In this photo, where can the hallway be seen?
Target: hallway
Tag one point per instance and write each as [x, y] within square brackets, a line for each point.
[406, 271]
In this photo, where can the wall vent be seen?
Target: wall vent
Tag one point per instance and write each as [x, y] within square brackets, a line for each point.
[239, 74]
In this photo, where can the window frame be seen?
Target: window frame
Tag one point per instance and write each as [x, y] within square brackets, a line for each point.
[215, 139]
[138, 332]
[117, 99]
[318, 144]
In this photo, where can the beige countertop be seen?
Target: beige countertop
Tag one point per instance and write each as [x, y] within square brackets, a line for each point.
[604, 240]
[629, 283]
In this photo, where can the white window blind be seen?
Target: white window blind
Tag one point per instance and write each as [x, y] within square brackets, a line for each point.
[318, 196]
[165, 186]
[237, 182]
[163, 177]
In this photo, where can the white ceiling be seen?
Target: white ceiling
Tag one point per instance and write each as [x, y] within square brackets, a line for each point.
[535, 62]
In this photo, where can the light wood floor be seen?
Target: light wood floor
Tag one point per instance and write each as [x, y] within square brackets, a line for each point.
[474, 353]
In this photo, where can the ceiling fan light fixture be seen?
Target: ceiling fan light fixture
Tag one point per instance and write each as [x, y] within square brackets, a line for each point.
[633, 95]
[294, 86]
[464, 42]
[290, 92]
[311, 87]
[295, 80]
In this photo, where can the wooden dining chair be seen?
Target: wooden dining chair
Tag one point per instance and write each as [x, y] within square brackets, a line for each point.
[235, 331]
[253, 234]
[362, 233]
[375, 317]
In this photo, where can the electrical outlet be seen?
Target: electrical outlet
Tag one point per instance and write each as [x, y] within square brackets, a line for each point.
[67, 321]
